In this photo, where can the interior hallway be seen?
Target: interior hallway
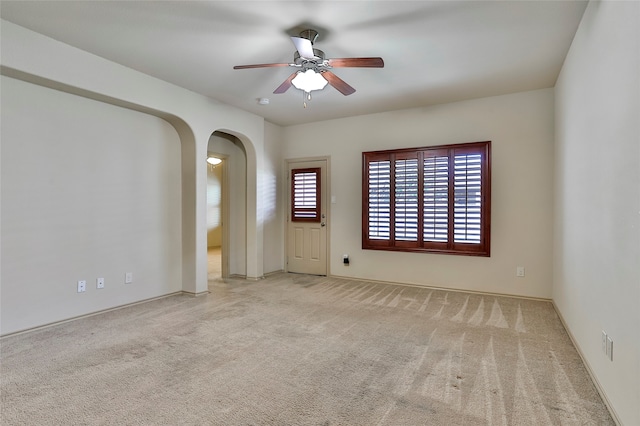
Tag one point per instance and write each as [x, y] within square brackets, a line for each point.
[214, 263]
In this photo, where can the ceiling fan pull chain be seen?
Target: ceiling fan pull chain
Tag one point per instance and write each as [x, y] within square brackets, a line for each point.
[306, 96]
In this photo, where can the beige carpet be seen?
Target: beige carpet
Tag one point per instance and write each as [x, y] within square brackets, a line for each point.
[300, 350]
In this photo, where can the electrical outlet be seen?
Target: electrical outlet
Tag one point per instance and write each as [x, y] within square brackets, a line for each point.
[128, 278]
[604, 342]
[519, 271]
[100, 283]
[610, 348]
[82, 286]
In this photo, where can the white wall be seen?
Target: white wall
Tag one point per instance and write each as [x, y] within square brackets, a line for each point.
[214, 205]
[596, 281]
[88, 190]
[44, 62]
[271, 190]
[32, 57]
[520, 127]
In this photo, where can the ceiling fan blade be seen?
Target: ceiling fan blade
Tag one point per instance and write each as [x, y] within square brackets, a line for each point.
[357, 62]
[286, 84]
[304, 47]
[242, 67]
[340, 85]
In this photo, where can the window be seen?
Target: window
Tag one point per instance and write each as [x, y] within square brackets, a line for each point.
[305, 195]
[432, 199]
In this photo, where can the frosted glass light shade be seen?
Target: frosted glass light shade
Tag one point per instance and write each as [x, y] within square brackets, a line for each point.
[309, 80]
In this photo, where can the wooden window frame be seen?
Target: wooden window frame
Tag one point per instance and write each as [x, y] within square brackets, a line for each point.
[421, 244]
[318, 208]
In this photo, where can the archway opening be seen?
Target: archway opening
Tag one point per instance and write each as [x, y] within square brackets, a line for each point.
[226, 208]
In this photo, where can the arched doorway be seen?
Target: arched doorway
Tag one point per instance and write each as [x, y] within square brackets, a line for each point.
[226, 208]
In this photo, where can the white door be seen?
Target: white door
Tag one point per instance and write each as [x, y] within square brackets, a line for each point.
[307, 217]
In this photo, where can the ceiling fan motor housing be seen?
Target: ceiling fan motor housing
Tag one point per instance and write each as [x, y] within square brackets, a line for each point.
[310, 35]
[318, 57]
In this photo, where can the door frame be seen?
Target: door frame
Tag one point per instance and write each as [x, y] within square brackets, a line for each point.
[326, 188]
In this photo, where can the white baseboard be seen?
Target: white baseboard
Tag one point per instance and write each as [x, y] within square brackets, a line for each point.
[594, 379]
[115, 308]
[457, 290]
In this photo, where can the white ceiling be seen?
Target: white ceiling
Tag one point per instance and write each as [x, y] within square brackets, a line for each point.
[434, 51]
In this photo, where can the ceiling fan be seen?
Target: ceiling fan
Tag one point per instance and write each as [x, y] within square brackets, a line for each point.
[314, 71]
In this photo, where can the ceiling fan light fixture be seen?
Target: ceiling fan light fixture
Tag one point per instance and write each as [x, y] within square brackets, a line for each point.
[308, 81]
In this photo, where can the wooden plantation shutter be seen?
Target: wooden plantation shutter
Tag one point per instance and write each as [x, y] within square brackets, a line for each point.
[468, 198]
[434, 199]
[379, 206]
[377, 175]
[305, 195]
[472, 203]
[406, 199]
